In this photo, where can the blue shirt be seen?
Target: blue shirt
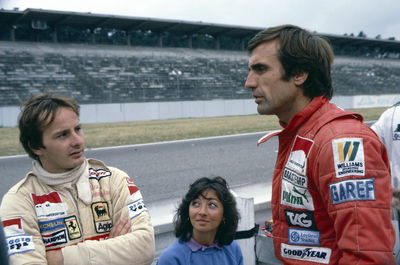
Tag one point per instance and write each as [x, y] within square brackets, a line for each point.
[192, 253]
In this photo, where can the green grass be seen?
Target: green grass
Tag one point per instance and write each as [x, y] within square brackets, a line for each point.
[124, 133]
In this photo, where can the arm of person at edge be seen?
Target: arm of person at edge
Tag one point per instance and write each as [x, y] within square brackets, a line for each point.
[358, 223]
[121, 227]
[135, 247]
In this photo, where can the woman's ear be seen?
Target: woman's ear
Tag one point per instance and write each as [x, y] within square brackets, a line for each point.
[300, 78]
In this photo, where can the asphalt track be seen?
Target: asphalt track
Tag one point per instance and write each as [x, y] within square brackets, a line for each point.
[164, 170]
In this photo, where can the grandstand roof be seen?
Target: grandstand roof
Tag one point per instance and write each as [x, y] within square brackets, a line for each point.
[128, 23]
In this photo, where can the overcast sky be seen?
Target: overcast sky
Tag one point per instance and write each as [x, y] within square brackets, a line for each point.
[373, 17]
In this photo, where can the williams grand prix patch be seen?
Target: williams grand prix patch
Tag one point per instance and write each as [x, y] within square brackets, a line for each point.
[348, 154]
[352, 190]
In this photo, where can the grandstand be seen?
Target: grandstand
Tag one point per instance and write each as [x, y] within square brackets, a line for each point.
[99, 72]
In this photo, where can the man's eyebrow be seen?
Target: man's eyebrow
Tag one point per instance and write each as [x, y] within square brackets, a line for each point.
[257, 65]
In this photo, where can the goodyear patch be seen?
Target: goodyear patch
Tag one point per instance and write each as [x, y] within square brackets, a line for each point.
[98, 173]
[49, 205]
[19, 244]
[352, 190]
[304, 219]
[135, 208]
[314, 254]
[102, 220]
[298, 157]
[348, 156]
[303, 237]
[55, 224]
[55, 238]
[73, 229]
[296, 196]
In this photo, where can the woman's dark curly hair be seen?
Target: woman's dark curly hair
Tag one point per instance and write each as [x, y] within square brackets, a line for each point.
[227, 229]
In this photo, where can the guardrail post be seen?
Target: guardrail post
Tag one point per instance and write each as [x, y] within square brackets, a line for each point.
[246, 210]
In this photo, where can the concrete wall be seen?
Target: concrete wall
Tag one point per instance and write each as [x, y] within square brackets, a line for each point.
[97, 113]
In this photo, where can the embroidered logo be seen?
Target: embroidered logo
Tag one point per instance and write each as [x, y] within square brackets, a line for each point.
[348, 156]
[72, 227]
[135, 208]
[352, 190]
[298, 157]
[303, 219]
[102, 220]
[314, 254]
[396, 133]
[98, 174]
[303, 237]
[49, 205]
[295, 196]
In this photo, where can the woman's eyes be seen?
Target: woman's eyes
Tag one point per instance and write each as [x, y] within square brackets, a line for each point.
[212, 205]
[195, 203]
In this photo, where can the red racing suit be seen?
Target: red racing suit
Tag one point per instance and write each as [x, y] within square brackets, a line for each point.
[331, 190]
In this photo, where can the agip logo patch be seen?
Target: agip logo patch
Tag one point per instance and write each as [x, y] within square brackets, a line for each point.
[348, 154]
[102, 220]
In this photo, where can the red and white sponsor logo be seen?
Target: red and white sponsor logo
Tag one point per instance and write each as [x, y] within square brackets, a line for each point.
[98, 174]
[49, 205]
[129, 181]
[13, 227]
[298, 157]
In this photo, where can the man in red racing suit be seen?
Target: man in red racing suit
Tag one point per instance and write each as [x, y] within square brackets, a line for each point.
[331, 187]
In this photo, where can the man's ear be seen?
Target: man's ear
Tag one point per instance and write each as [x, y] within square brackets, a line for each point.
[300, 78]
[36, 151]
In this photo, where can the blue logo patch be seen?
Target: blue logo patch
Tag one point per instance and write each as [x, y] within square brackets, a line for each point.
[51, 225]
[352, 190]
[303, 237]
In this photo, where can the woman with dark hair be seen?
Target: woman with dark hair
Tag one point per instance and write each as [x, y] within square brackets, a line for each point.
[205, 225]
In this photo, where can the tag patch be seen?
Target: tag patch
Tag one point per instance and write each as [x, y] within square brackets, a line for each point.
[72, 227]
[102, 220]
[303, 237]
[135, 208]
[296, 196]
[19, 244]
[49, 205]
[302, 219]
[294, 178]
[348, 156]
[352, 190]
[54, 239]
[314, 254]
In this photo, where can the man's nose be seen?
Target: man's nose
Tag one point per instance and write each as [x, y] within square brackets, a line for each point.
[251, 81]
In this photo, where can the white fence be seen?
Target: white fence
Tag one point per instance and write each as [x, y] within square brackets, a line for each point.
[98, 113]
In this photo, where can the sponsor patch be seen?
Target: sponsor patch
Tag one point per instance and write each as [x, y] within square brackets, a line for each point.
[352, 190]
[73, 229]
[348, 156]
[19, 244]
[314, 254]
[98, 174]
[294, 178]
[13, 227]
[303, 219]
[298, 157]
[303, 237]
[55, 238]
[296, 196]
[102, 220]
[135, 208]
[55, 224]
[396, 133]
[49, 205]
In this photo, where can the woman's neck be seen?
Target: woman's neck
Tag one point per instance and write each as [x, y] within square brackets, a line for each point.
[205, 239]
